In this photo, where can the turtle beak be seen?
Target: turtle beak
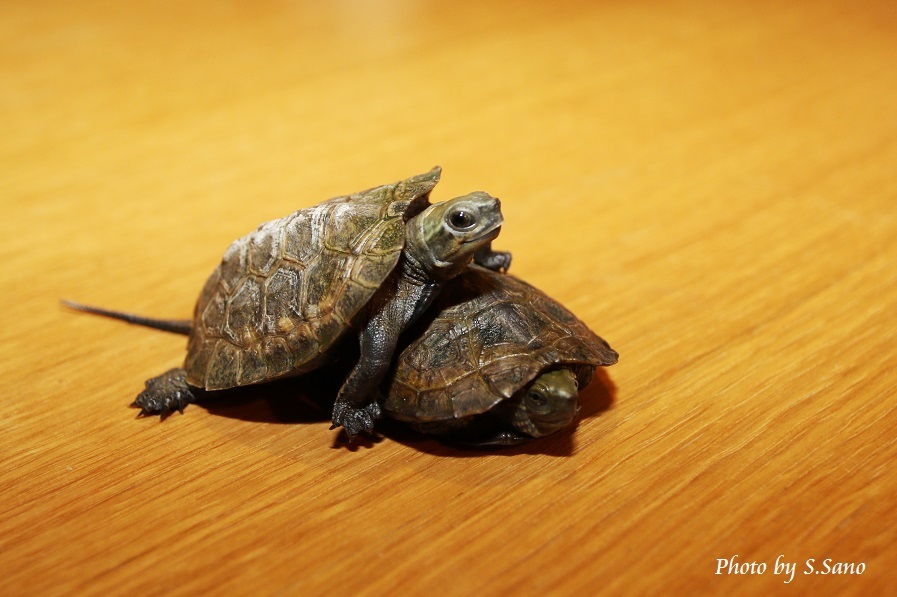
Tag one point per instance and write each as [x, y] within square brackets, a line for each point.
[499, 219]
[488, 235]
[565, 413]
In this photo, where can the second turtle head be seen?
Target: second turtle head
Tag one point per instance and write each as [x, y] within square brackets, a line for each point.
[548, 404]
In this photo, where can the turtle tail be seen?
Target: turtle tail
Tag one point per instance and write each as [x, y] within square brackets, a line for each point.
[176, 326]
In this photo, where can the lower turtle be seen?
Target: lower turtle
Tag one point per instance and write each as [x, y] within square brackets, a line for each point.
[284, 296]
[497, 362]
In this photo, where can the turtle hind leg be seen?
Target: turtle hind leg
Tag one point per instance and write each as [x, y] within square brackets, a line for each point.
[165, 393]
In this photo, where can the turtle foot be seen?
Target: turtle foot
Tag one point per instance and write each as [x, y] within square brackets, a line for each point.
[497, 261]
[165, 393]
[355, 420]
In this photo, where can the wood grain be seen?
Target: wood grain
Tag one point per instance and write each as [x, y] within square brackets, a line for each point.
[711, 186]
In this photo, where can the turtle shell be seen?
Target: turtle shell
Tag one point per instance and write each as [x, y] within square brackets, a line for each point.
[492, 335]
[284, 294]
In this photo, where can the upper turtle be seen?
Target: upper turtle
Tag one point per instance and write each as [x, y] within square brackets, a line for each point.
[283, 294]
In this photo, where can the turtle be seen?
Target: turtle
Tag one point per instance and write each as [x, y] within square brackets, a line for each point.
[284, 295]
[498, 362]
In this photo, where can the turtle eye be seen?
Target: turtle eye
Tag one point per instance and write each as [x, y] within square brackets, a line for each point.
[461, 219]
[537, 398]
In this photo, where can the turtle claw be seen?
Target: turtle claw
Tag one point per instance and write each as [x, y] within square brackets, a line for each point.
[355, 420]
[374, 409]
[164, 394]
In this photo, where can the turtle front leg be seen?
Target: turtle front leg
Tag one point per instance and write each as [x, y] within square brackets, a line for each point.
[165, 393]
[355, 408]
[497, 261]
[393, 309]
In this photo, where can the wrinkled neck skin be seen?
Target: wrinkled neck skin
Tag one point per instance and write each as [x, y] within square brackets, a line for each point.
[535, 428]
[522, 423]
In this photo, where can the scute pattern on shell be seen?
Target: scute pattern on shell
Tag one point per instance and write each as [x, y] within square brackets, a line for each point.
[285, 293]
[492, 335]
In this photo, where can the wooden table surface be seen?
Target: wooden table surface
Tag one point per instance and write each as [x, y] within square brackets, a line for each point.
[712, 187]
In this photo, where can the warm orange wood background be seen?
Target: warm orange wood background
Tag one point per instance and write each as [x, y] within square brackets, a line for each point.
[711, 186]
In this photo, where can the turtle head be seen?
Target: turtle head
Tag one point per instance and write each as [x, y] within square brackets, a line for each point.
[443, 238]
[548, 404]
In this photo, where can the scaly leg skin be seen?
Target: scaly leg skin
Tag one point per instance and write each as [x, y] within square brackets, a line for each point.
[165, 393]
[397, 304]
[356, 407]
[497, 261]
